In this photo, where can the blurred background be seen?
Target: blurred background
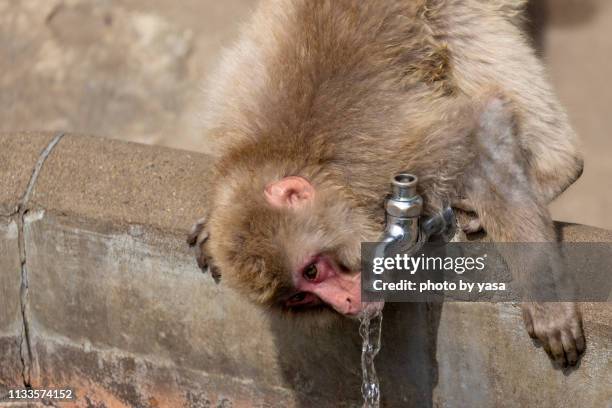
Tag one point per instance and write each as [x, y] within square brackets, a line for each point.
[134, 70]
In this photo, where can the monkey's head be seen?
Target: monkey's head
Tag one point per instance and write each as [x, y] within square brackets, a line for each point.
[291, 243]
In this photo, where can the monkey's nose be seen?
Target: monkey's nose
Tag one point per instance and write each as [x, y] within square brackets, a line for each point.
[352, 307]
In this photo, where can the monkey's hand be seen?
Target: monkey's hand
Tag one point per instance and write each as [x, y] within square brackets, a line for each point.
[558, 327]
[197, 238]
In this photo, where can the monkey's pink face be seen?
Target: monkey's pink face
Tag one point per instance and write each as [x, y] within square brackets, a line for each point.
[318, 277]
[323, 280]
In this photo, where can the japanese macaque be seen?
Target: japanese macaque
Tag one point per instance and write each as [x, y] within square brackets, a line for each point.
[322, 101]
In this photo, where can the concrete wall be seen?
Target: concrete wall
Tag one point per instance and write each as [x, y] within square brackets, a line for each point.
[99, 293]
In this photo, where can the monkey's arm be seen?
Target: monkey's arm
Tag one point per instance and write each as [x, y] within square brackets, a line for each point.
[498, 185]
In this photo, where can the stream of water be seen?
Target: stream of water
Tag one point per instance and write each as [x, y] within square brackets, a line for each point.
[370, 330]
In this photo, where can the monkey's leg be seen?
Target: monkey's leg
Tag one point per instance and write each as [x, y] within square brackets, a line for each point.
[549, 144]
[489, 50]
[510, 210]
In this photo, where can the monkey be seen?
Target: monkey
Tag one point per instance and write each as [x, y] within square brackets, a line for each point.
[320, 102]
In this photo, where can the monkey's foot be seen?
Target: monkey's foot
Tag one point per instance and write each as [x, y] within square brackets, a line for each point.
[473, 224]
[558, 327]
[197, 238]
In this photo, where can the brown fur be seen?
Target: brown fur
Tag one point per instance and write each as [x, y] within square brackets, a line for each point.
[347, 93]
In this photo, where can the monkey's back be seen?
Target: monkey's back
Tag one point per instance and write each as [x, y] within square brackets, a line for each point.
[367, 88]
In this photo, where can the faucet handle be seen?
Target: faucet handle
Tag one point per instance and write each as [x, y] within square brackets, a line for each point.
[442, 226]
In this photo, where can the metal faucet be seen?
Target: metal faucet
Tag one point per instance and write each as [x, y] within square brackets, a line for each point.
[405, 228]
[405, 231]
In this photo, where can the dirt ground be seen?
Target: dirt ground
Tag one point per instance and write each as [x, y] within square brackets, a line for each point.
[134, 69]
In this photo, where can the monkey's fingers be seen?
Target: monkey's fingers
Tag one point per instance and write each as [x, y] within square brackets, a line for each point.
[556, 349]
[205, 263]
[580, 341]
[202, 259]
[214, 272]
[198, 233]
[473, 226]
[569, 346]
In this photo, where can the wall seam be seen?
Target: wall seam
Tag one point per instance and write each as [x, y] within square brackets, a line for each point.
[25, 346]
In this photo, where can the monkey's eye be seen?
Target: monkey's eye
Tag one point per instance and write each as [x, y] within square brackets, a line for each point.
[298, 297]
[302, 300]
[310, 273]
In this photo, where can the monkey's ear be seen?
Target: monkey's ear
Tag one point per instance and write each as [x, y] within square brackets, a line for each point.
[289, 192]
